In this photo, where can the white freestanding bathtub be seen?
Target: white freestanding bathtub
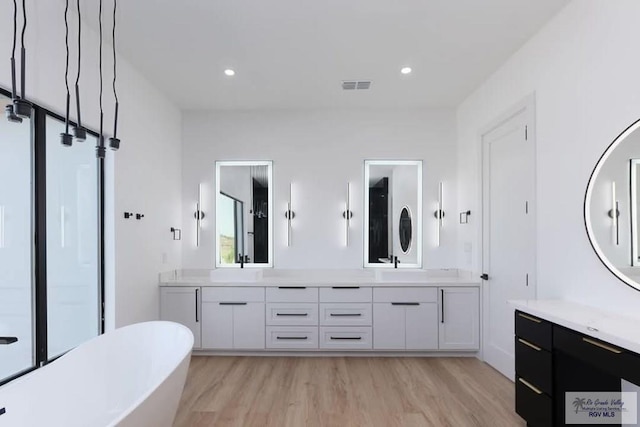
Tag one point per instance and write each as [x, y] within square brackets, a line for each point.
[130, 377]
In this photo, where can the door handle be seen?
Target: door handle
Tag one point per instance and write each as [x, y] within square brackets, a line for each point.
[8, 340]
[484, 276]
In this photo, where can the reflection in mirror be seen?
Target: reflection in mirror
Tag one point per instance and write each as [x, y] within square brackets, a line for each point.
[393, 192]
[612, 207]
[405, 229]
[244, 220]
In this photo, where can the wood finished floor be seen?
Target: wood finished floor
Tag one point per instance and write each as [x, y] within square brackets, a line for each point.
[345, 391]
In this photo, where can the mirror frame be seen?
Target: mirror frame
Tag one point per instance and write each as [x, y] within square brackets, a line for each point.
[269, 164]
[418, 219]
[587, 207]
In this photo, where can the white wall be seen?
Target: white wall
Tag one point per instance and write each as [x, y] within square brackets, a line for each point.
[319, 152]
[583, 67]
[144, 176]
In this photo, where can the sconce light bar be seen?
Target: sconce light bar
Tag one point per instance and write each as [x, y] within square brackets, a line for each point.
[614, 214]
[439, 214]
[198, 215]
[347, 214]
[289, 214]
[1, 227]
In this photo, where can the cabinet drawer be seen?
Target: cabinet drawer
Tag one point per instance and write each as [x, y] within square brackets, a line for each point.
[232, 294]
[534, 365]
[533, 405]
[607, 357]
[345, 294]
[292, 337]
[346, 338]
[292, 314]
[534, 330]
[345, 314]
[399, 295]
[292, 294]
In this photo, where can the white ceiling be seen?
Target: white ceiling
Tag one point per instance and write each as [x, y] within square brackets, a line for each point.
[295, 53]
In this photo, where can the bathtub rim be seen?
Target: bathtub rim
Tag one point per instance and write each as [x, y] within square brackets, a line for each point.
[143, 396]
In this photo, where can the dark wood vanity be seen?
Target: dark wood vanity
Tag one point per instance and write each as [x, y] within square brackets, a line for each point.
[551, 359]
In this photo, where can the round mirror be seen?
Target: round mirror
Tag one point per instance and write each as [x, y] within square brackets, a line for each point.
[612, 207]
[405, 230]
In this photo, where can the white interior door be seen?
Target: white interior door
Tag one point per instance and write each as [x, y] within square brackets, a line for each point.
[508, 256]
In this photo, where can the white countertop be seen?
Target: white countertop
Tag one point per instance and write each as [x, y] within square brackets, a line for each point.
[322, 278]
[607, 326]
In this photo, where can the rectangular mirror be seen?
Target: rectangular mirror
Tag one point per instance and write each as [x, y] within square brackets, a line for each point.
[244, 214]
[393, 213]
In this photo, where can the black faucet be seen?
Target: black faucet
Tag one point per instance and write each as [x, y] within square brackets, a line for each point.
[395, 261]
[241, 260]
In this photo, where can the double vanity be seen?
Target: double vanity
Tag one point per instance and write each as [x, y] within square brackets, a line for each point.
[251, 310]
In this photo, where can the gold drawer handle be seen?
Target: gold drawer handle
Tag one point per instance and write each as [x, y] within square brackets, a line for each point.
[536, 390]
[601, 345]
[528, 344]
[533, 319]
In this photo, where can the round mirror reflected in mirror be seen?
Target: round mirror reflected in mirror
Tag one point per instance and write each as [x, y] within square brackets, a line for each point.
[405, 229]
[612, 207]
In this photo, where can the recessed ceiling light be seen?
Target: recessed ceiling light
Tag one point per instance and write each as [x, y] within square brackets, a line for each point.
[406, 70]
[229, 72]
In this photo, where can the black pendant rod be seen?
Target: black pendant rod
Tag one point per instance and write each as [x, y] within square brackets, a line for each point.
[79, 131]
[66, 69]
[14, 94]
[114, 142]
[23, 52]
[100, 151]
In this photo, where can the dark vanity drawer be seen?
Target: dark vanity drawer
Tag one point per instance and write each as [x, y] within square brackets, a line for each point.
[534, 364]
[533, 405]
[604, 356]
[534, 330]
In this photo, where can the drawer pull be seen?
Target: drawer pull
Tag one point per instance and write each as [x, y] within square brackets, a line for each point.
[291, 338]
[345, 314]
[603, 346]
[529, 385]
[292, 287]
[533, 319]
[405, 303]
[233, 303]
[347, 338]
[292, 314]
[528, 344]
[345, 287]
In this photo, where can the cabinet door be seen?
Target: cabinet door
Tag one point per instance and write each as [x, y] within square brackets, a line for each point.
[181, 305]
[248, 326]
[459, 318]
[388, 326]
[422, 326]
[217, 325]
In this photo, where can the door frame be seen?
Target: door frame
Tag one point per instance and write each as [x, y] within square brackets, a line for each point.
[528, 106]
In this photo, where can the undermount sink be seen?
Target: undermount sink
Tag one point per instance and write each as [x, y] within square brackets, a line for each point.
[399, 275]
[236, 275]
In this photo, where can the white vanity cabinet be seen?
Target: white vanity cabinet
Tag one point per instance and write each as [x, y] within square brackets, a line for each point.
[181, 304]
[405, 318]
[233, 318]
[459, 325]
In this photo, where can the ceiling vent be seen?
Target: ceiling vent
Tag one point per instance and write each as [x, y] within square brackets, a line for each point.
[356, 84]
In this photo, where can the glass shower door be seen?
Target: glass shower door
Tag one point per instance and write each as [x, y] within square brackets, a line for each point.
[16, 237]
